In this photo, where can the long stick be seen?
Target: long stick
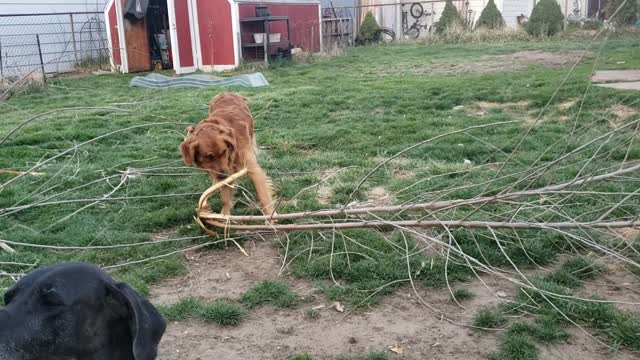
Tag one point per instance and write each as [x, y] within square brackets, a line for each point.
[435, 205]
[215, 187]
[13, 172]
[452, 224]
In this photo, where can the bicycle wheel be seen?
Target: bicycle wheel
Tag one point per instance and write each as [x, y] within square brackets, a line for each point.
[416, 10]
[413, 33]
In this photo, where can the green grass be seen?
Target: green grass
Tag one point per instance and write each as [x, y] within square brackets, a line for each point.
[301, 357]
[220, 312]
[270, 292]
[370, 356]
[461, 294]
[312, 314]
[621, 328]
[342, 113]
[489, 318]
[516, 347]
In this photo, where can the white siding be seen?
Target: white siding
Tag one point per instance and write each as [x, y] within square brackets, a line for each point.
[576, 9]
[49, 6]
[511, 9]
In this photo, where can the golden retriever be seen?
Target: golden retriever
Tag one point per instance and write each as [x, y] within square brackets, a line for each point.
[223, 144]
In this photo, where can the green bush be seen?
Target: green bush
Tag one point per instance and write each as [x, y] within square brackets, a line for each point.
[369, 31]
[591, 24]
[450, 18]
[490, 17]
[546, 19]
[628, 15]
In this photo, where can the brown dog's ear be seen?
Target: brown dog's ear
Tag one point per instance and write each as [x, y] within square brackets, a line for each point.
[188, 149]
[229, 139]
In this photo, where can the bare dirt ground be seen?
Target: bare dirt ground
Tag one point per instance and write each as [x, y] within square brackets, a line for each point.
[400, 322]
[271, 333]
[488, 63]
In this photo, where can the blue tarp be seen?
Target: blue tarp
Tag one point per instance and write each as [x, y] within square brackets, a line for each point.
[157, 81]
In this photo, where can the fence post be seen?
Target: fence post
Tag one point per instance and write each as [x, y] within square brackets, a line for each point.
[91, 41]
[73, 38]
[44, 77]
[1, 64]
[100, 42]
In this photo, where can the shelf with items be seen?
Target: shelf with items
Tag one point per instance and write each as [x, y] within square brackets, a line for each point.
[266, 45]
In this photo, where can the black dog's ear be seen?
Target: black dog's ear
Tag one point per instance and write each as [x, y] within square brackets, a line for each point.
[26, 282]
[9, 295]
[145, 323]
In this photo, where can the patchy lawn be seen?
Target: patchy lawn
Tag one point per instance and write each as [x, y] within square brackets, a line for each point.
[322, 126]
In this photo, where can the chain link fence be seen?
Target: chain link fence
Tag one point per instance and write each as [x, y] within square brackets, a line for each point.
[410, 20]
[36, 46]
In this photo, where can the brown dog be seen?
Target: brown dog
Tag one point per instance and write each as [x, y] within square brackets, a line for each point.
[223, 144]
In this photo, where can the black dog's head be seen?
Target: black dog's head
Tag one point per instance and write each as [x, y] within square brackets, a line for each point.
[77, 311]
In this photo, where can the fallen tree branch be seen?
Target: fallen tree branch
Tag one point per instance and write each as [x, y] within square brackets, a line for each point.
[435, 205]
[6, 247]
[453, 224]
[13, 172]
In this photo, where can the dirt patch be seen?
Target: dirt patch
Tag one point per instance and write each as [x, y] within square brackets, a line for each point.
[376, 196]
[519, 111]
[401, 168]
[628, 234]
[165, 234]
[516, 110]
[580, 346]
[622, 111]
[400, 322]
[485, 64]
[550, 59]
[567, 104]
[217, 274]
[485, 107]
[324, 191]
[616, 284]
[378, 111]
[379, 196]
[515, 61]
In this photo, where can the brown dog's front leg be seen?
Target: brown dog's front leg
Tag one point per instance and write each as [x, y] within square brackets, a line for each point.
[263, 189]
[226, 194]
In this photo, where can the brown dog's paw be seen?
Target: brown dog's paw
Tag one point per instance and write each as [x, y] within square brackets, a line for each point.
[269, 220]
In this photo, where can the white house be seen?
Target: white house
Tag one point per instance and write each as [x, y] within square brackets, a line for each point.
[49, 6]
[399, 15]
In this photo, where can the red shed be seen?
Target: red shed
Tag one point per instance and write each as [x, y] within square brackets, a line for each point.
[208, 35]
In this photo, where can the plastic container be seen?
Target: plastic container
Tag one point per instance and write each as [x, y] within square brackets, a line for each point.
[262, 11]
[275, 37]
[258, 38]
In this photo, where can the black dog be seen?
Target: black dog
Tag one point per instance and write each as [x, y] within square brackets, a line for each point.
[76, 311]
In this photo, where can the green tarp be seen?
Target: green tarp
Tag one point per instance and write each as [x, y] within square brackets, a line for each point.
[157, 81]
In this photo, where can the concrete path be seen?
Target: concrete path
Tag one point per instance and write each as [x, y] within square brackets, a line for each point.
[606, 76]
[634, 85]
